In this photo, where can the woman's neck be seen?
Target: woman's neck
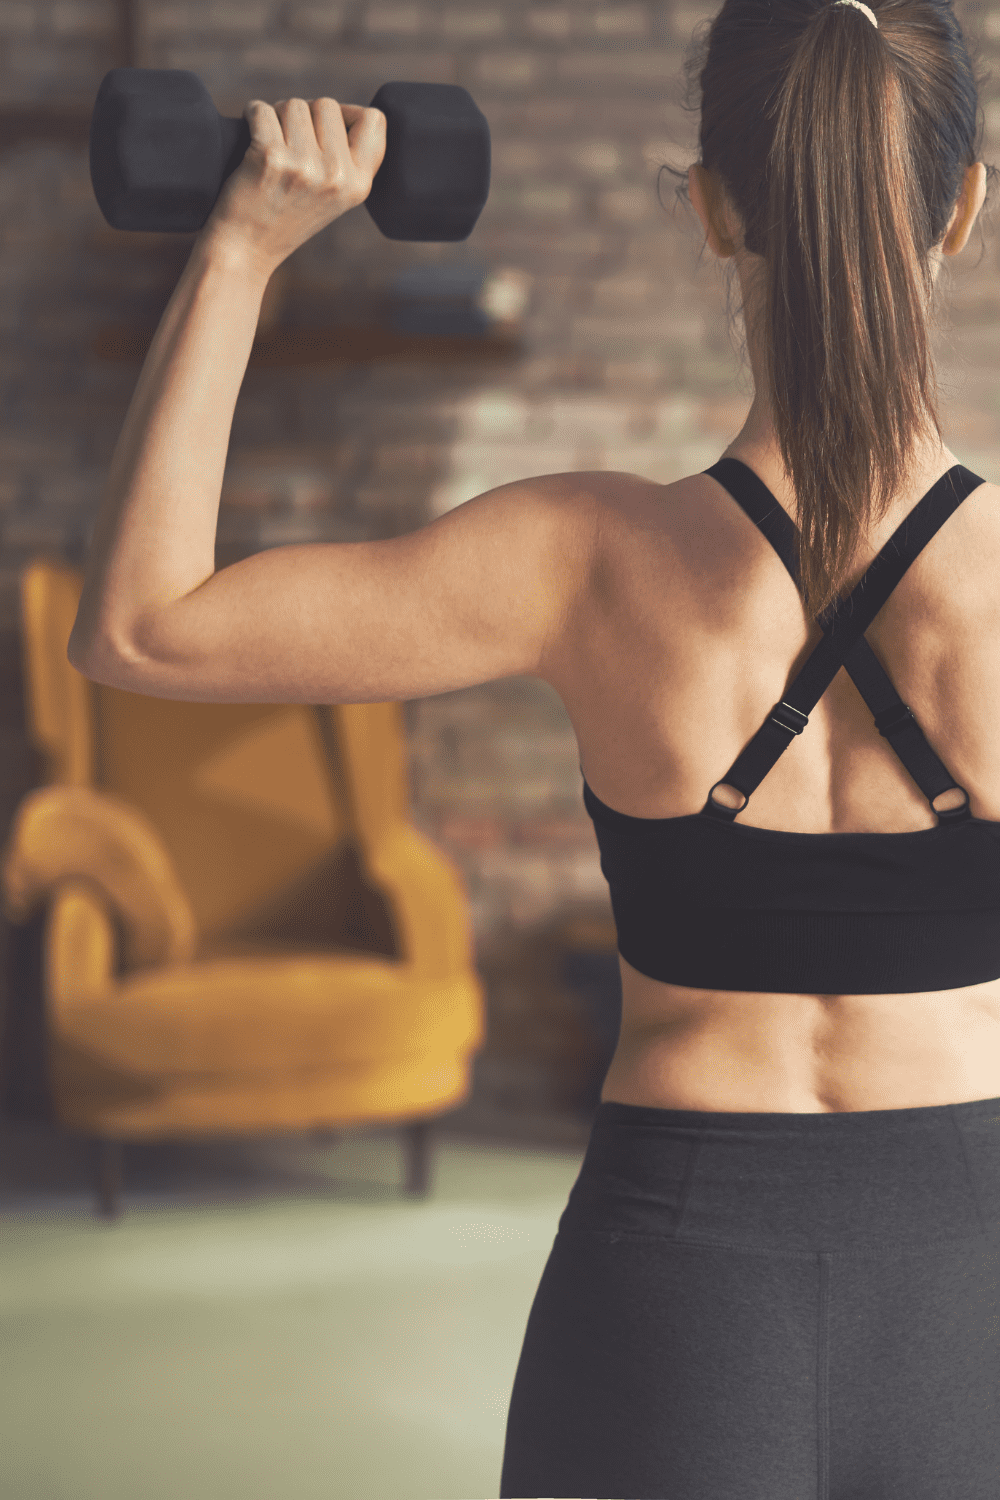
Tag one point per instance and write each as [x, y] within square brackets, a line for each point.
[763, 456]
[757, 445]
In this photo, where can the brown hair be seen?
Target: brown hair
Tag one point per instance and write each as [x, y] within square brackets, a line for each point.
[843, 148]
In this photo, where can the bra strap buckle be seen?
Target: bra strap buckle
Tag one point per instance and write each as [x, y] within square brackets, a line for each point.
[891, 720]
[792, 719]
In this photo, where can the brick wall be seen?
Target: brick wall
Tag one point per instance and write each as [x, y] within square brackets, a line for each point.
[627, 364]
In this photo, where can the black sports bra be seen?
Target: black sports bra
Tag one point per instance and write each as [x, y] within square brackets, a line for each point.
[707, 902]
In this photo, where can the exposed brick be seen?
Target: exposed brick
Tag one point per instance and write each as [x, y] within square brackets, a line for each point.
[470, 832]
[597, 158]
[398, 20]
[296, 63]
[468, 792]
[551, 24]
[41, 69]
[550, 243]
[25, 533]
[662, 149]
[516, 157]
[259, 418]
[628, 205]
[561, 833]
[285, 457]
[362, 69]
[36, 447]
[86, 18]
[686, 15]
[646, 373]
[301, 492]
[609, 70]
[513, 70]
[652, 460]
[247, 18]
[628, 292]
[419, 460]
[658, 328]
[18, 18]
[490, 464]
[318, 20]
[667, 246]
[292, 528]
[584, 881]
[545, 116]
[584, 416]
[473, 25]
[251, 496]
[387, 504]
[494, 414]
[530, 906]
[447, 494]
[544, 200]
[621, 21]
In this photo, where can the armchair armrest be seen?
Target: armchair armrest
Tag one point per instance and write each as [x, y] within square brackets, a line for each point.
[64, 833]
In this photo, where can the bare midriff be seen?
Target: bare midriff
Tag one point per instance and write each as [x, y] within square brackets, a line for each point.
[803, 1054]
[690, 630]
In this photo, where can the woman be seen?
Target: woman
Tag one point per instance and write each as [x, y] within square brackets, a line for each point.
[775, 1278]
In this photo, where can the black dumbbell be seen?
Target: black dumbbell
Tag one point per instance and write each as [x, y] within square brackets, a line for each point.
[160, 152]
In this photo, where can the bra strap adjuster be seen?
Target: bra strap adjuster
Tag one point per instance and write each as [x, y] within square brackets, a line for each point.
[891, 720]
[792, 719]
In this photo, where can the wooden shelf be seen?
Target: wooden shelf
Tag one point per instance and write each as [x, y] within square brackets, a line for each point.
[67, 123]
[337, 345]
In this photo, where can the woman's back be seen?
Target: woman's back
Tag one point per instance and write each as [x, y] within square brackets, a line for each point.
[699, 608]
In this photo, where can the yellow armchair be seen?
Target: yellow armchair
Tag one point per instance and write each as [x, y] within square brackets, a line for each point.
[244, 932]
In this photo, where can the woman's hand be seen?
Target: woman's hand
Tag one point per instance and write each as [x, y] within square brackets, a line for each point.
[302, 169]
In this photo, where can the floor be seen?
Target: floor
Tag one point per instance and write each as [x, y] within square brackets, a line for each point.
[268, 1319]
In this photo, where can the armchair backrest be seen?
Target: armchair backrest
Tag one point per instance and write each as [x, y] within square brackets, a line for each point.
[58, 713]
[257, 805]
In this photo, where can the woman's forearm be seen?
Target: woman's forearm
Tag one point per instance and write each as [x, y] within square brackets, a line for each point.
[154, 539]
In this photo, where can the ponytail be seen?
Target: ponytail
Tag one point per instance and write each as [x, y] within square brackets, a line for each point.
[843, 149]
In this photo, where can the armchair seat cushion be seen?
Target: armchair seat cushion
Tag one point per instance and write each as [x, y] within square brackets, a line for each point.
[245, 1008]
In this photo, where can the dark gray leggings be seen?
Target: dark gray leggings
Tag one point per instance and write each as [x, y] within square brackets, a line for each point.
[769, 1307]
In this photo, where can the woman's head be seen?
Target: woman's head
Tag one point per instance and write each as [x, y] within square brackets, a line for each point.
[725, 233]
[839, 165]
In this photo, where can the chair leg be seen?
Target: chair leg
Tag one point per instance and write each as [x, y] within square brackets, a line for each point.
[110, 1171]
[418, 1158]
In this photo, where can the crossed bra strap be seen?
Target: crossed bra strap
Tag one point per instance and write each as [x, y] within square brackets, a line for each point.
[844, 643]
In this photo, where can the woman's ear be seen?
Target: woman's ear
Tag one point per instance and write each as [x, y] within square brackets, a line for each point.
[966, 211]
[711, 210]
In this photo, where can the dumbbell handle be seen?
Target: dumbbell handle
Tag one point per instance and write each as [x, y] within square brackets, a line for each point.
[431, 186]
[235, 143]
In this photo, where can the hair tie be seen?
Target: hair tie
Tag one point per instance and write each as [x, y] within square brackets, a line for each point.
[857, 3]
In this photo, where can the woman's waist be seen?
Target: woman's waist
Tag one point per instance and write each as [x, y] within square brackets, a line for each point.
[682, 1048]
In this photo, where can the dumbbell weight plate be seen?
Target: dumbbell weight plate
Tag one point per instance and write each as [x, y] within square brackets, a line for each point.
[160, 152]
[435, 177]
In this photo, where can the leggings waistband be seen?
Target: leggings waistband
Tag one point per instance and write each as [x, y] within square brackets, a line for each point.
[795, 1183]
[852, 1122]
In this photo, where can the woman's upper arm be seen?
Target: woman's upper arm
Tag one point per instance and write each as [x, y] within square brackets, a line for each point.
[483, 592]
